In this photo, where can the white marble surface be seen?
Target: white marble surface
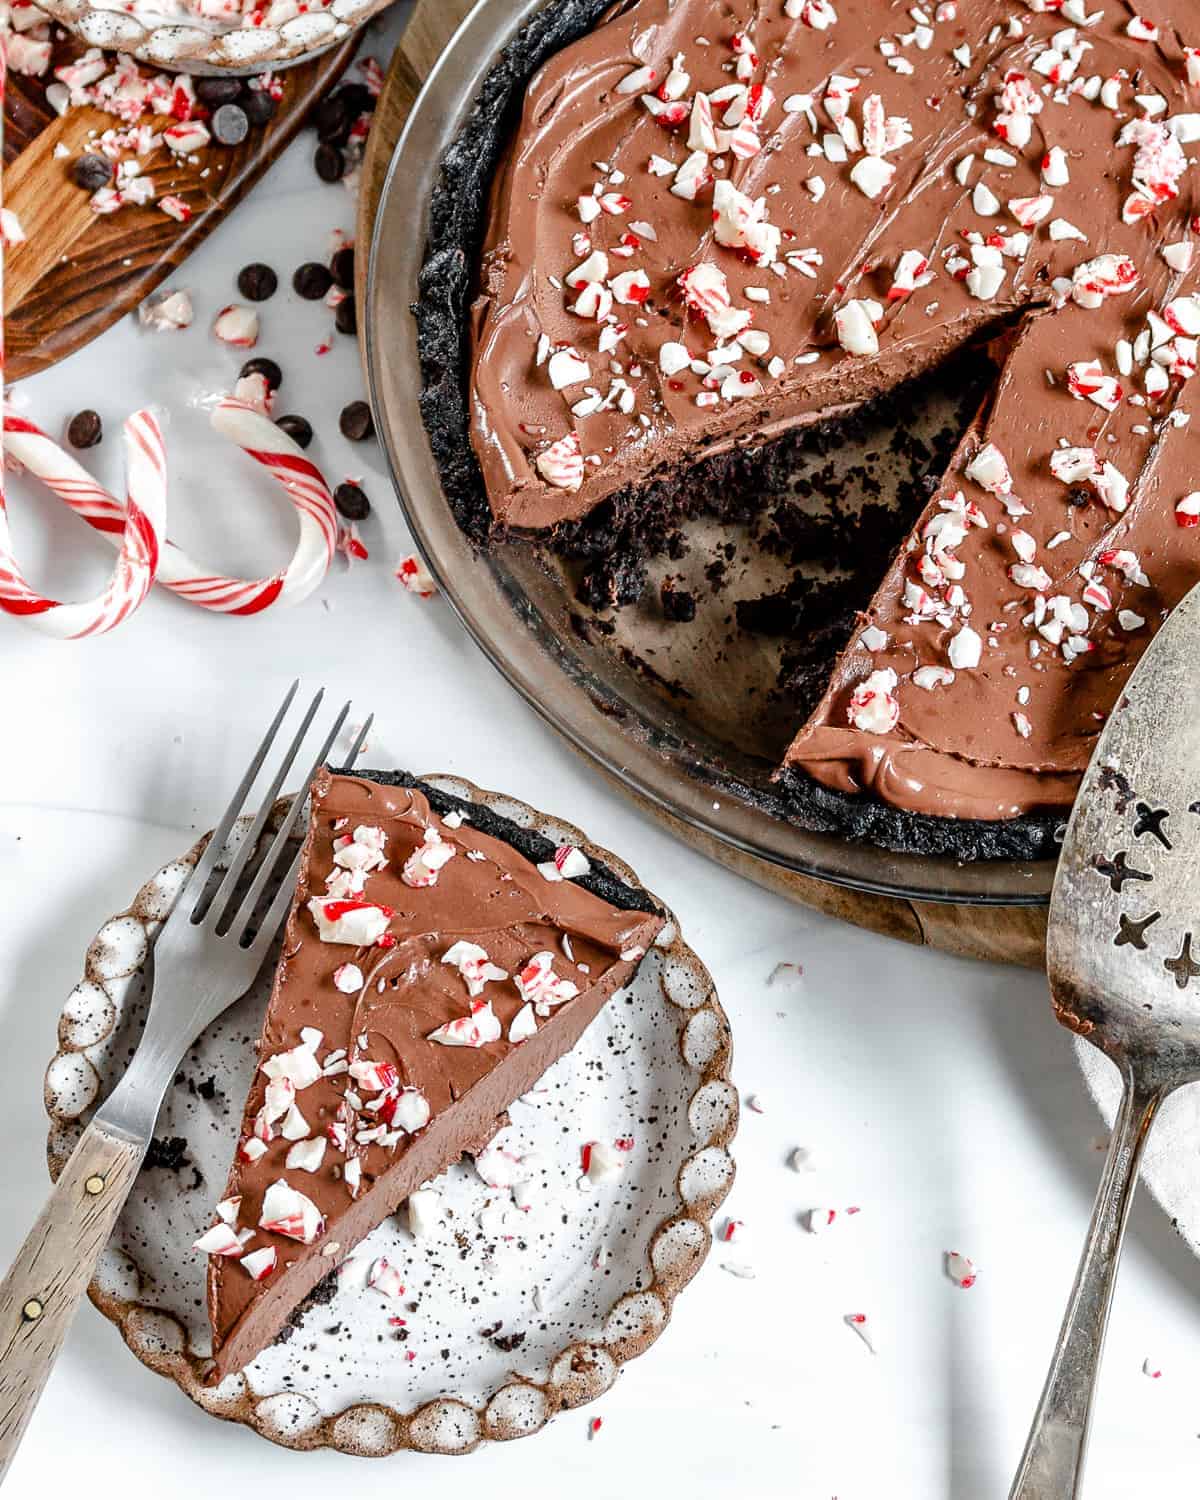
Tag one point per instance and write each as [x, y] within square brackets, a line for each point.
[937, 1095]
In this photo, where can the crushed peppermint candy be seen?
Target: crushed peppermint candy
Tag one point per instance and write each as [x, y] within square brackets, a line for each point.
[288, 1212]
[416, 577]
[569, 863]
[478, 1029]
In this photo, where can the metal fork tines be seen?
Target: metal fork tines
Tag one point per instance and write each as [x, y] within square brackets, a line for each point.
[224, 919]
[205, 957]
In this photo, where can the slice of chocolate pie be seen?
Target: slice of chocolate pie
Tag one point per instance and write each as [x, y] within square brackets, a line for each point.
[720, 222]
[437, 960]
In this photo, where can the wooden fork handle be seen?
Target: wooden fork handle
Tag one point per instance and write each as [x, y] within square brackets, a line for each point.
[52, 1269]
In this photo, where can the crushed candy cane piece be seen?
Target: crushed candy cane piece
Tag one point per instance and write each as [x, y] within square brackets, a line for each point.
[259, 1264]
[478, 1029]
[288, 1212]
[424, 1212]
[416, 577]
[385, 1278]
[221, 1240]
[422, 866]
[237, 325]
[359, 924]
[473, 963]
[961, 1269]
[523, 1025]
[602, 1162]
[538, 984]
[348, 978]
[874, 707]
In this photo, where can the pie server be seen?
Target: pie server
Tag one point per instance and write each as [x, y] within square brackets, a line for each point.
[1123, 957]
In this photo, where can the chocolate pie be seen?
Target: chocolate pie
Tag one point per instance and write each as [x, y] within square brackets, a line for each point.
[437, 960]
[715, 226]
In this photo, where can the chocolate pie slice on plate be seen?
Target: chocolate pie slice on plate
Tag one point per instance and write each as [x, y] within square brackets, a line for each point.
[430, 975]
[460, 973]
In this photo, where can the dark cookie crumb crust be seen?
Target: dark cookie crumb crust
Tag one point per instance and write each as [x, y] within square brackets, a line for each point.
[637, 521]
[600, 880]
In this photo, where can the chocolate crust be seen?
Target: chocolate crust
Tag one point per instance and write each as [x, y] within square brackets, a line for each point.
[600, 880]
[615, 539]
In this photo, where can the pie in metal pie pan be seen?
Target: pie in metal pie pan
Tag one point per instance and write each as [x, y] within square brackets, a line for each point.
[507, 1316]
[684, 718]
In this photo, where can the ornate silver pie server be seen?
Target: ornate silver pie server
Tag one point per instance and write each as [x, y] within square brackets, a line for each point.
[205, 956]
[1123, 957]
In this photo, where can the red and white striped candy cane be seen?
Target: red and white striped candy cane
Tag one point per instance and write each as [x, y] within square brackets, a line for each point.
[143, 518]
[254, 432]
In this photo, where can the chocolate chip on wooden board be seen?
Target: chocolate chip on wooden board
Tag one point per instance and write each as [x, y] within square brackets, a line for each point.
[217, 91]
[91, 172]
[311, 281]
[299, 429]
[85, 429]
[351, 502]
[230, 125]
[259, 106]
[356, 422]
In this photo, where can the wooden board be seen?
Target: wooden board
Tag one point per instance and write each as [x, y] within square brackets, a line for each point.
[78, 271]
[1000, 934]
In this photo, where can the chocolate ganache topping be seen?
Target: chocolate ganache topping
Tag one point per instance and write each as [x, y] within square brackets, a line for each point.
[718, 221]
[430, 974]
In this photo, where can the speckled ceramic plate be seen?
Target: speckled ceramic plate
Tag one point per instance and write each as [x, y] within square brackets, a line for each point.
[508, 1317]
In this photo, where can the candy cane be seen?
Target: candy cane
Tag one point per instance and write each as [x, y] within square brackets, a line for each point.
[254, 432]
[141, 535]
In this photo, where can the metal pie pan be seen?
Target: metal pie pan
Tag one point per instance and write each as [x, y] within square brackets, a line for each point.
[692, 759]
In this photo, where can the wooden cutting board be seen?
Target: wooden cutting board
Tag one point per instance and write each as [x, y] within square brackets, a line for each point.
[1009, 934]
[78, 271]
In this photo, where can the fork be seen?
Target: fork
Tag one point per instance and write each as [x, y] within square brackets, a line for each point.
[205, 957]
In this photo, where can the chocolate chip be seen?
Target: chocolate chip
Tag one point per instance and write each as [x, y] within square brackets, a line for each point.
[357, 99]
[85, 429]
[345, 318]
[341, 268]
[91, 172]
[230, 125]
[299, 429]
[329, 162]
[259, 106]
[257, 282]
[218, 91]
[311, 280]
[332, 119]
[351, 502]
[356, 422]
[267, 368]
